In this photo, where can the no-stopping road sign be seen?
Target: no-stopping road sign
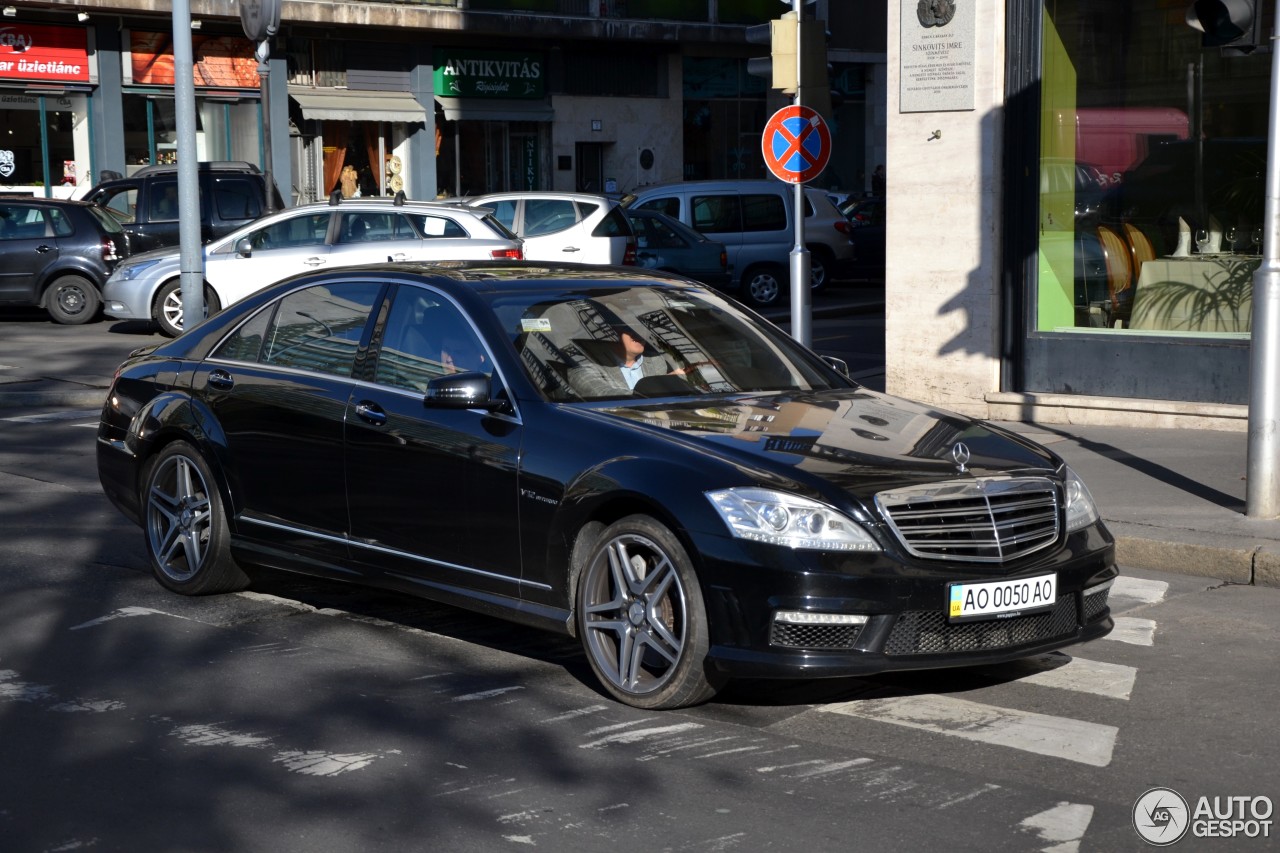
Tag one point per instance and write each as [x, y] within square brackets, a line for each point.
[796, 144]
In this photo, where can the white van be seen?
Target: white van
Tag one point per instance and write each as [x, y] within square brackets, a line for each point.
[753, 219]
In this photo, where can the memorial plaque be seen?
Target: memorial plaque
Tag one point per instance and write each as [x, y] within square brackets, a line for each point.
[936, 62]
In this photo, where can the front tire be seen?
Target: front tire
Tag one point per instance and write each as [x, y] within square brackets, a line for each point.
[185, 524]
[168, 307]
[72, 300]
[763, 285]
[641, 617]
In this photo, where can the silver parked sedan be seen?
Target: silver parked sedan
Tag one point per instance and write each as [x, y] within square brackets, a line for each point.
[300, 239]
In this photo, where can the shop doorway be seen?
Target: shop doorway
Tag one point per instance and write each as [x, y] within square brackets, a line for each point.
[590, 173]
[356, 158]
[477, 157]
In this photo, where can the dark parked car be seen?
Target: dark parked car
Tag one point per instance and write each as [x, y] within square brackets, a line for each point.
[738, 507]
[57, 254]
[667, 244]
[867, 218]
[232, 194]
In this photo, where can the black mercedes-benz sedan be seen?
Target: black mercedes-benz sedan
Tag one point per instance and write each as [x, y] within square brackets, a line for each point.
[629, 458]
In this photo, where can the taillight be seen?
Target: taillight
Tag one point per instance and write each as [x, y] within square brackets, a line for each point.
[629, 256]
[844, 227]
[109, 250]
[507, 254]
[724, 260]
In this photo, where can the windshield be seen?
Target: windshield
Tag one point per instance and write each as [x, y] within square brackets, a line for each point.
[628, 342]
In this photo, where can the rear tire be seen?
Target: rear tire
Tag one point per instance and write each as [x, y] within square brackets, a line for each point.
[821, 262]
[167, 311]
[185, 525]
[72, 300]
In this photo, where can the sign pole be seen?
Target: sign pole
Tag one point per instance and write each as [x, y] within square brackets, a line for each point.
[1262, 493]
[801, 263]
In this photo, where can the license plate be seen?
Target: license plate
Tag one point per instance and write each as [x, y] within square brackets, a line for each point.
[1001, 599]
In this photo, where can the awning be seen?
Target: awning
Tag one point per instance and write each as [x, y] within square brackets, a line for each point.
[495, 109]
[348, 105]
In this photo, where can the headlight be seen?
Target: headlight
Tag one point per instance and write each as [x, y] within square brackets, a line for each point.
[1081, 511]
[129, 272]
[762, 515]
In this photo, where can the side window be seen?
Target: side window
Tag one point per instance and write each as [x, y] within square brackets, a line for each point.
[21, 222]
[245, 344]
[716, 213]
[662, 237]
[294, 232]
[320, 328]
[614, 224]
[236, 199]
[162, 205]
[373, 227]
[62, 226]
[438, 226]
[505, 212]
[765, 212]
[670, 206]
[122, 201]
[425, 337]
[548, 215]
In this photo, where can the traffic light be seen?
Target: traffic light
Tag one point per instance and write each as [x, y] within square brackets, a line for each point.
[780, 66]
[1230, 24]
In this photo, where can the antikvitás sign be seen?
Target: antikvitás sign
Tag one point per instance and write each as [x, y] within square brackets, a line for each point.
[489, 74]
[44, 54]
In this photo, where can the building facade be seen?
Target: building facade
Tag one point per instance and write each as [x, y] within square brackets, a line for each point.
[436, 98]
[1089, 179]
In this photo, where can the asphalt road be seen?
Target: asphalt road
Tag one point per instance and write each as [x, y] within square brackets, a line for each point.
[312, 716]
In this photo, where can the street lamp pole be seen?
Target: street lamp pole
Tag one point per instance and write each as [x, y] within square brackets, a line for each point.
[1262, 493]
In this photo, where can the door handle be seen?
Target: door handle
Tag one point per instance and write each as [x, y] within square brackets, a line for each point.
[398, 256]
[313, 261]
[42, 248]
[221, 380]
[371, 413]
[571, 249]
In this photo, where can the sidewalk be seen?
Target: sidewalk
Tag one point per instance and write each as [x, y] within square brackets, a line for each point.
[1173, 498]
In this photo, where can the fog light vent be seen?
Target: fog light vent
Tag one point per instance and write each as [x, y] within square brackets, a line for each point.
[796, 629]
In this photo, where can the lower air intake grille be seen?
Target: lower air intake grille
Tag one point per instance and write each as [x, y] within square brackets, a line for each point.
[927, 632]
[1095, 604]
[987, 520]
[814, 636]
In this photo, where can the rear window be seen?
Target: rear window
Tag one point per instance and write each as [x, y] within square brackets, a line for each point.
[763, 213]
[105, 220]
[236, 199]
[614, 224]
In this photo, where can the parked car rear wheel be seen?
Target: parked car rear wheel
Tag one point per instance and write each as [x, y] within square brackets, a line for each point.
[167, 311]
[186, 525]
[763, 285]
[821, 262]
[72, 300]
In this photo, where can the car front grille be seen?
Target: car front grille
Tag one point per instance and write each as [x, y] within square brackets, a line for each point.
[1095, 604]
[985, 520]
[926, 632]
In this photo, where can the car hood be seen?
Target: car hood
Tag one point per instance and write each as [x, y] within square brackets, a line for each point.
[161, 254]
[858, 440]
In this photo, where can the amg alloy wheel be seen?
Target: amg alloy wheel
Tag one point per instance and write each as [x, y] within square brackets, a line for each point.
[186, 528]
[641, 617]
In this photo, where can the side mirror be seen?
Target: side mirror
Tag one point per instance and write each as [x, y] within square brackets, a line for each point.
[461, 391]
[244, 247]
[841, 366]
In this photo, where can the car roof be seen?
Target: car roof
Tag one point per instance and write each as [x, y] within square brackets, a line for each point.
[594, 197]
[35, 199]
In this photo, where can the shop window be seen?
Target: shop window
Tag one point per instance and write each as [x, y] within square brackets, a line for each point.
[1152, 173]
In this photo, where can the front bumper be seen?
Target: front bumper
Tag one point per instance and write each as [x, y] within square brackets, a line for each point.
[127, 300]
[904, 604]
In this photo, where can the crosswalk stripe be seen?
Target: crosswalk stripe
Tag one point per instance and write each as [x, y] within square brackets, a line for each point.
[1056, 737]
[1148, 592]
[1135, 631]
[1065, 672]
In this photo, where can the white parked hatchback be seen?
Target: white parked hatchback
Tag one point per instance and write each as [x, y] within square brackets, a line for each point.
[580, 228]
[300, 239]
